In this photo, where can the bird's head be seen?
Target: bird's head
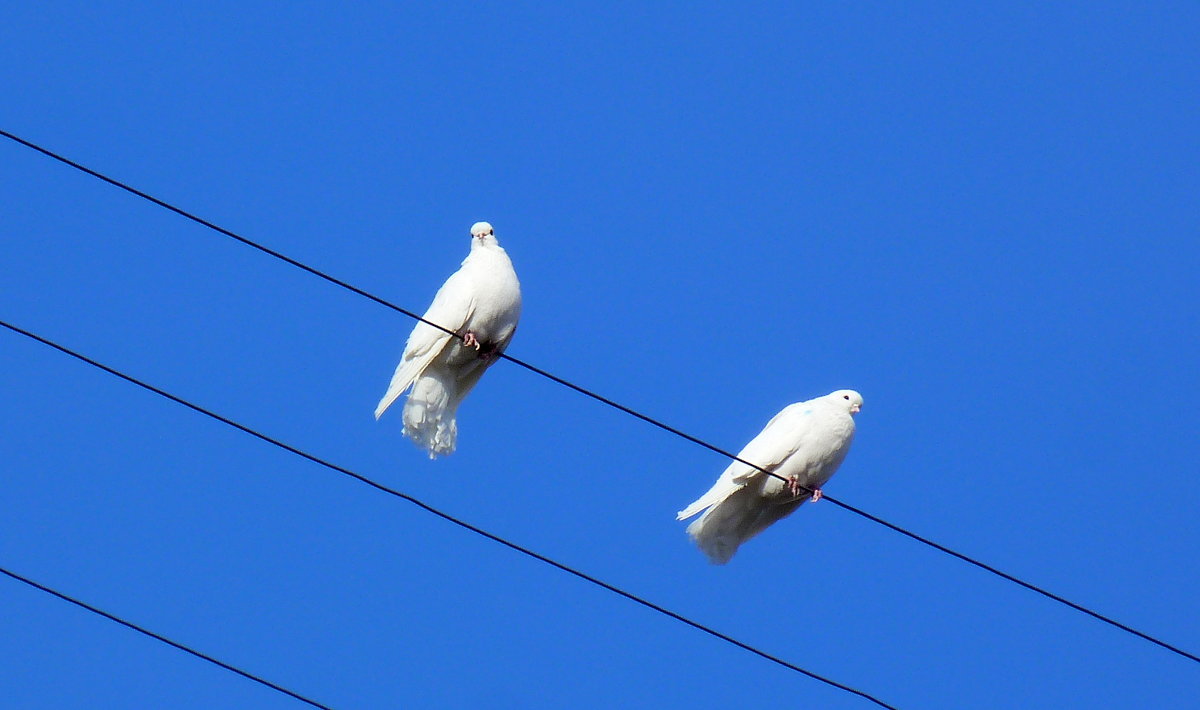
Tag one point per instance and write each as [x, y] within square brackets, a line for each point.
[849, 399]
[482, 233]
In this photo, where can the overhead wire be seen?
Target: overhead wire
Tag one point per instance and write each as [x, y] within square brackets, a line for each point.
[605, 400]
[159, 637]
[445, 516]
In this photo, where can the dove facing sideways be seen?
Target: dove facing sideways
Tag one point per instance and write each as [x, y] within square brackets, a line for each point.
[481, 303]
[804, 444]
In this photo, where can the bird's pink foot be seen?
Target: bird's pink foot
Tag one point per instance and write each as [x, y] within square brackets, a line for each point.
[795, 487]
[470, 340]
[816, 496]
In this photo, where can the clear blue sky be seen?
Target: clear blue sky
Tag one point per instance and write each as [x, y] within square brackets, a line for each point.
[984, 219]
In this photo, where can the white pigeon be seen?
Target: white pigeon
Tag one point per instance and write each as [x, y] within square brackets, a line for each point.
[804, 444]
[481, 303]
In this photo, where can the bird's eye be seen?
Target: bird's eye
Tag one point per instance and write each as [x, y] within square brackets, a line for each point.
[846, 397]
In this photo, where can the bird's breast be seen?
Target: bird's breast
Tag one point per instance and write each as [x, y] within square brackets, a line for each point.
[497, 297]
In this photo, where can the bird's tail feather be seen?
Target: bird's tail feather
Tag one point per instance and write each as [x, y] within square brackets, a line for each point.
[721, 490]
[729, 524]
[429, 414]
[713, 534]
[724, 527]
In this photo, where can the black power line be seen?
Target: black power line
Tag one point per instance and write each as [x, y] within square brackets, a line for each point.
[445, 516]
[164, 639]
[600, 398]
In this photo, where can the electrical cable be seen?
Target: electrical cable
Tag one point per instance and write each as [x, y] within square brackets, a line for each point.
[605, 400]
[164, 639]
[445, 516]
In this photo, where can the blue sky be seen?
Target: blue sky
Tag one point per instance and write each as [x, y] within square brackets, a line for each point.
[983, 218]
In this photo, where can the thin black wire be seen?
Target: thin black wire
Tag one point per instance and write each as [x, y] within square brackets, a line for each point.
[605, 400]
[445, 516]
[164, 639]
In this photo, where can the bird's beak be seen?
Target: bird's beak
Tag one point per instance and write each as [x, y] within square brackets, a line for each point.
[855, 408]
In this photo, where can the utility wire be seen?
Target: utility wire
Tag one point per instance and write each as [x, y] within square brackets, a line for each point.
[445, 516]
[600, 398]
[164, 639]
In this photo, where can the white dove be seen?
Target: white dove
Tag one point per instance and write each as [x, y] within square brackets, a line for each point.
[803, 444]
[481, 303]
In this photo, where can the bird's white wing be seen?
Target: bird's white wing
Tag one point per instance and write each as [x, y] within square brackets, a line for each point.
[774, 444]
[452, 307]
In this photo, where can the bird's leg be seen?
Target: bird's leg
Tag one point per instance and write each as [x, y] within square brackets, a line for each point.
[796, 489]
[470, 340]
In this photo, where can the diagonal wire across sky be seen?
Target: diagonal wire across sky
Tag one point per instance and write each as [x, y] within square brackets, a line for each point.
[598, 397]
[420, 504]
[161, 638]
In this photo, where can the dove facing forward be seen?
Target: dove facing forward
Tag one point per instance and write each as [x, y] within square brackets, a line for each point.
[481, 304]
[804, 444]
